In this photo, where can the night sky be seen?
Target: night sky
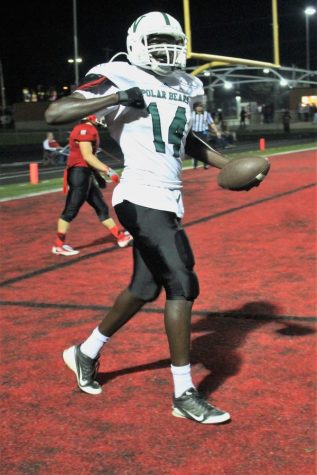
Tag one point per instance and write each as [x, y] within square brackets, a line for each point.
[36, 37]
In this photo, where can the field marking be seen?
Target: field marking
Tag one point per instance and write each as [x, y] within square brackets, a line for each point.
[220, 214]
[188, 167]
[293, 151]
[29, 195]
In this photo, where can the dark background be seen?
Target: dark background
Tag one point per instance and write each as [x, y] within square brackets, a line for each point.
[36, 37]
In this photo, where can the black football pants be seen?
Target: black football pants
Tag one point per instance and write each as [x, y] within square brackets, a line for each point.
[82, 187]
[162, 254]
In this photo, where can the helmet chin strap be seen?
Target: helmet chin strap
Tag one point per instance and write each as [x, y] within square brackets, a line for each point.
[118, 54]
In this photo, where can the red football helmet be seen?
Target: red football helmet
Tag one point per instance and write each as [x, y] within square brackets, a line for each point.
[94, 120]
[91, 118]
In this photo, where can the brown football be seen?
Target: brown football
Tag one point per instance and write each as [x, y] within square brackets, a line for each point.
[243, 173]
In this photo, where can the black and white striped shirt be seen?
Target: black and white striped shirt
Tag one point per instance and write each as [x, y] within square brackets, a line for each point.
[201, 122]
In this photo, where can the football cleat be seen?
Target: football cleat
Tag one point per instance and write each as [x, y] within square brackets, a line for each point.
[124, 239]
[192, 405]
[64, 250]
[85, 369]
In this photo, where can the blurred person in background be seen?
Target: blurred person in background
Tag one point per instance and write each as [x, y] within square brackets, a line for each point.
[229, 137]
[286, 119]
[51, 149]
[243, 116]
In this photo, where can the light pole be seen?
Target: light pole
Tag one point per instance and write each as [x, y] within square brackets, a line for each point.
[75, 42]
[2, 90]
[309, 11]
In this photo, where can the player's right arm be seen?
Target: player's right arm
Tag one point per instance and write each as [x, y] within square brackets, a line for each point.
[75, 107]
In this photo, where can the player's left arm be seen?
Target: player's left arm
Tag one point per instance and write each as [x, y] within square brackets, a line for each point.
[89, 157]
[200, 150]
[87, 153]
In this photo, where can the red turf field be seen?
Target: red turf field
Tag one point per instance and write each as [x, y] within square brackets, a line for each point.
[254, 343]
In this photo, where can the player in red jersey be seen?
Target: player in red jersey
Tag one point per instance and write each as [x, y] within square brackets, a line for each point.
[83, 171]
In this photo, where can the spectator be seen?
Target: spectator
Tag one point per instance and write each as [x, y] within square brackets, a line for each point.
[312, 110]
[34, 97]
[52, 94]
[228, 137]
[306, 112]
[51, 149]
[286, 118]
[26, 94]
[243, 116]
[219, 117]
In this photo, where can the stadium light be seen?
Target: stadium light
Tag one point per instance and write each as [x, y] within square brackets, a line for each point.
[78, 60]
[309, 11]
[227, 85]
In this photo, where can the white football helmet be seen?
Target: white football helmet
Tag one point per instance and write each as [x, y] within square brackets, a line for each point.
[161, 57]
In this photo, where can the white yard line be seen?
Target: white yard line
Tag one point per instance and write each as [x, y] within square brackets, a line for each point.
[29, 195]
[293, 151]
[54, 190]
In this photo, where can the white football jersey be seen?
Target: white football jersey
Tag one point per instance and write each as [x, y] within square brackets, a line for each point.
[152, 139]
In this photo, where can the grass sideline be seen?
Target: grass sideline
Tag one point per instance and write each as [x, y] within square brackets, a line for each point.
[21, 190]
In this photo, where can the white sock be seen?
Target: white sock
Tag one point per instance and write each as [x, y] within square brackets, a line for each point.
[182, 379]
[92, 346]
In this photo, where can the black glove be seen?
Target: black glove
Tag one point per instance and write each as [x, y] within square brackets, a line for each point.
[132, 97]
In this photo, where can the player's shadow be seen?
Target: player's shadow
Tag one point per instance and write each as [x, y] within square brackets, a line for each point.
[104, 378]
[217, 348]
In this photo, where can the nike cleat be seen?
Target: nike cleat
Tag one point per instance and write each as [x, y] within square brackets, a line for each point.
[64, 250]
[85, 369]
[191, 405]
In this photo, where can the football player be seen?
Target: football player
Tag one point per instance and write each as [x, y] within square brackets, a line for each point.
[83, 180]
[147, 105]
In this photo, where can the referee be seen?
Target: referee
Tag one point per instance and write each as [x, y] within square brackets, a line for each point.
[202, 124]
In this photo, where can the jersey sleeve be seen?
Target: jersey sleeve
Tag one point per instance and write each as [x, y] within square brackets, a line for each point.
[91, 81]
[85, 133]
[95, 84]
